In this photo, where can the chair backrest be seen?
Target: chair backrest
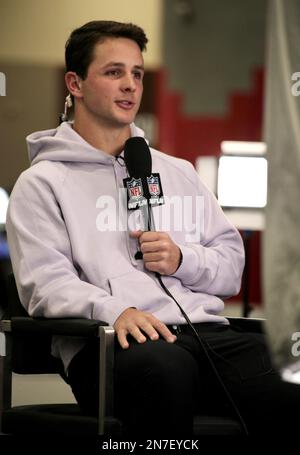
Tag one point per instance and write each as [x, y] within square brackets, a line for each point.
[23, 354]
[28, 356]
[14, 307]
[5, 270]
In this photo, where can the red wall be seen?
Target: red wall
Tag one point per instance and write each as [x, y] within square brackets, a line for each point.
[191, 136]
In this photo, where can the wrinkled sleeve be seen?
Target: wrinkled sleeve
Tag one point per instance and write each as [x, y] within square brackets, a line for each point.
[213, 264]
[41, 254]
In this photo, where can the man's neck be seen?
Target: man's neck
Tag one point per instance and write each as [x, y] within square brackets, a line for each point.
[107, 138]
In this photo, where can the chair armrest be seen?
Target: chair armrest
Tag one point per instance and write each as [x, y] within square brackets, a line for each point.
[41, 326]
[247, 324]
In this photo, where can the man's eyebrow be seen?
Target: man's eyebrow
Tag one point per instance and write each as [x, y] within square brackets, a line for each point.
[121, 65]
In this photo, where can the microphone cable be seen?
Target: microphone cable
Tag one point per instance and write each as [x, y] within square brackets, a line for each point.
[120, 160]
[200, 340]
[149, 222]
[204, 349]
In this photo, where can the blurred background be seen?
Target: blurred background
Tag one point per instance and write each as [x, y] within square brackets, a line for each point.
[217, 75]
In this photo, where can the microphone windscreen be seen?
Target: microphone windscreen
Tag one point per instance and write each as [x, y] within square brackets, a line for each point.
[137, 157]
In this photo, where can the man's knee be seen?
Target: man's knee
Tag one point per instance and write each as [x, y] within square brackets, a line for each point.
[166, 363]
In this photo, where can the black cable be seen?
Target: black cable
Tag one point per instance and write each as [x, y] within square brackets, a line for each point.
[122, 162]
[149, 222]
[229, 397]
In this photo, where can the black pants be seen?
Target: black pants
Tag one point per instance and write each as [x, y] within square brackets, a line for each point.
[159, 386]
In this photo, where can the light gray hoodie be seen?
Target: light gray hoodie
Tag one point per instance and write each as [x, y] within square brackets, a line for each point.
[71, 250]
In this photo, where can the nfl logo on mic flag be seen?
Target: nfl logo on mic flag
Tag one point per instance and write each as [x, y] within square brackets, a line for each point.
[139, 190]
[155, 190]
[135, 194]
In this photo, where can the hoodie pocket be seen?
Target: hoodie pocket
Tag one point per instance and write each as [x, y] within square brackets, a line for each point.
[137, 289]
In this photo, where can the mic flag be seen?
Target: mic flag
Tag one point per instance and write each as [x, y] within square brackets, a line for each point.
[155, 190]
[143, 186]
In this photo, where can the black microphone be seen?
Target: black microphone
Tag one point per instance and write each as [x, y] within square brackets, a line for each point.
[137, 157]
[143, 187]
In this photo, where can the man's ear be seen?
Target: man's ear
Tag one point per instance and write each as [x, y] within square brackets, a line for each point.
[73, 83]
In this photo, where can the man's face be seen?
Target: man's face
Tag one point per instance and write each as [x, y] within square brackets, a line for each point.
[112, 90]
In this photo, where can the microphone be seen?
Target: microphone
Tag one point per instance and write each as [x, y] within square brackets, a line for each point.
[144, 189]
[137, 157]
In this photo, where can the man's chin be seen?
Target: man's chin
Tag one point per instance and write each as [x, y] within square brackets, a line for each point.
[125, 120]
[126, 116]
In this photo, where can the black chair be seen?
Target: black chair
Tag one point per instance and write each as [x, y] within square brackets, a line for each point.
[25, 348]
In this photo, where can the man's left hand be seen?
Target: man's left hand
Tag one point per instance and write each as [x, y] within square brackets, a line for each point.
[160, 253]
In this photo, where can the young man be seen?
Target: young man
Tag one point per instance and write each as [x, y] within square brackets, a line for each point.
[67, 264]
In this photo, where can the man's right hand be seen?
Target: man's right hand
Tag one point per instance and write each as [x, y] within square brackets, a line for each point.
[140, 325]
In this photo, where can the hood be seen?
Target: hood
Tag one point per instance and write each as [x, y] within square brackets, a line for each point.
[64, 144]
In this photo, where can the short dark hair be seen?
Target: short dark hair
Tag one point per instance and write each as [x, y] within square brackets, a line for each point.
[81, 43]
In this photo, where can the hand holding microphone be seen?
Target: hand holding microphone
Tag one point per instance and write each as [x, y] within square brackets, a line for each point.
[160, 253]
